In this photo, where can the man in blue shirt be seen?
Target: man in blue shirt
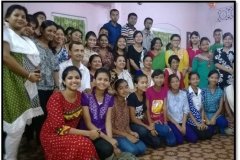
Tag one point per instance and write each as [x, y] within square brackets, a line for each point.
[114, 28]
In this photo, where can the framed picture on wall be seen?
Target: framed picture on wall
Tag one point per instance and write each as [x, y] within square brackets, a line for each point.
[188, 44]
[65, 21]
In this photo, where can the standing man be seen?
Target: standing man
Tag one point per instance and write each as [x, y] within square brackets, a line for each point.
[114, 28]
[129, 29]
[147, 33]
[217, 34]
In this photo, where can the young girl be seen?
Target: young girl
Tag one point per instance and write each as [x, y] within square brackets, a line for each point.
[119, 72]
[213, 102]
[173, 61]
[91, 41]
[156, 105]
[128, 141]
[147, 69]
[19, 105]
[197, 115]
[104, 51]
[203, 62]
[64, 111]
[97, 110]
[177, 112]
[138, 113]
[95, 62]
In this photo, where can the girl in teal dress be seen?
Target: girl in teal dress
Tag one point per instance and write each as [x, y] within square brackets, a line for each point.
[19, 88]
[203, 63]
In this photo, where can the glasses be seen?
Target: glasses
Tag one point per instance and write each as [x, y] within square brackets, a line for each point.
[175, 40]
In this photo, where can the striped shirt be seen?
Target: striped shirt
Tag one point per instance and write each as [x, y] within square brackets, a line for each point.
[128, 32]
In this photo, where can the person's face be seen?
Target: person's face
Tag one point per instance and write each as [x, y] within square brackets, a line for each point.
[91, 42]
[103, 42]
[147, 62]
[103, 31]
[76, 37]
[102, 81]
[122, 43]
[194, 80]
[213, 79]
[174, 64]
[194, 39]
[29, 29]
[148, 24]
[217, 37]
[120, 63]
[114, 16]
[49, 32]
[175, 42]
[77, 52]
[174, 84]
[59, 37]
[138, 38]
[132, 20]
[123, 90]
[157, 45]
[17, 20]
[227, 41]
[142, 84]
[72, 80]
[96, 63]
[40, 19]
[69, 35]
[158, 80]
[204, 46]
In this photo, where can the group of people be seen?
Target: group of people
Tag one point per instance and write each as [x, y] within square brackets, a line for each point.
[120, 92]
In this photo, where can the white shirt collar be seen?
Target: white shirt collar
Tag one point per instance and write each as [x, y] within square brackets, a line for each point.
[192, 91]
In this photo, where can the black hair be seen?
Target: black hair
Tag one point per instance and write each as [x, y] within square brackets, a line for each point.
[168, 46]
[92, 58]
[60, 27]
[136, 32]
[146, 56]
[102, 70]
[102, 35]
[227, 34]
[132, 14]
[153, 42]
[157, 72]
[193, 73]
[68, 29]
[46, 24]
[12, 8]
[117, 56]
[138, 76]
[32, 19]
[89, 34]
[67, 70]
[194, 33]
[175, 35]
[148, 18]
[103, 27]
[39, 13]
[170, 78]
[204, 39]
[213, 72]
[118, 82]
[76, 30]
[72, 43]
[217, 30]
[115, 48]
[173, 57]
[113, 10]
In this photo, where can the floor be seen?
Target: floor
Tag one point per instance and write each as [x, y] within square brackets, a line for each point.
[218, 148]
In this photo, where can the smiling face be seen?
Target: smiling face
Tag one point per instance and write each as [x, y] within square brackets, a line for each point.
[120, 63]
[147, 62]
[194, 80]
[122, 43]
[77, 52]
[91, 41]
[49, 32]
[76, 36]
[142, 83]
[204, 46]
[17, 20]
[59, 36]
[174, 64]
[72, 80]
[102, 81]
[217, 37]
[138, 38]
[227, 41]
[175, 42]
[158, 80]
[213, 79]
[123, 90]
[103, 42]
[96, 63]
[174, 83]
[157, 45]
[194, 40]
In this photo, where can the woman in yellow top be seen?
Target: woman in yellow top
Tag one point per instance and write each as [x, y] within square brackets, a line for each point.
[181, 53]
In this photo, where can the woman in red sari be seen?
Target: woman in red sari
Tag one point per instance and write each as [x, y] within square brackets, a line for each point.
[59, 137]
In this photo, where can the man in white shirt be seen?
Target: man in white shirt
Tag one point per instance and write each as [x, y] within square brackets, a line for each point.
[147, 33]
[76, 51]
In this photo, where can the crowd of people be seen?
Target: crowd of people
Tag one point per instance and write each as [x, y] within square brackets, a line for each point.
[118, 92]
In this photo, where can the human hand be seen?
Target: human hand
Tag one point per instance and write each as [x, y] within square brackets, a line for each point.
[132, 138]
[135, 134]
[34, 77]
[93, 134]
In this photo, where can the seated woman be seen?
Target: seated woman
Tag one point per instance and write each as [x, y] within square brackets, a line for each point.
[138, 113]
[213, 102]
[195, 99]
[177, 112]
[59, 132]
[119, 72]
[147, 69]
[97, 110]
[95, 62]
[128, 141]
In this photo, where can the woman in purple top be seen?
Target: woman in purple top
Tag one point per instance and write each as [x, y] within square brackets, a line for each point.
[97, 110]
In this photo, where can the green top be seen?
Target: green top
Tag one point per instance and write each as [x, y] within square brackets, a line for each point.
[215, 46]
[159, 61]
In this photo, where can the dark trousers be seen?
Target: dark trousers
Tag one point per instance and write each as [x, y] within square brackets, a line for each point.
[103, 148]
[203, 134]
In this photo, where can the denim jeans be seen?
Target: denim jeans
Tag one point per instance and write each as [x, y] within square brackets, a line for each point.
[165, 132]
[125, 145]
